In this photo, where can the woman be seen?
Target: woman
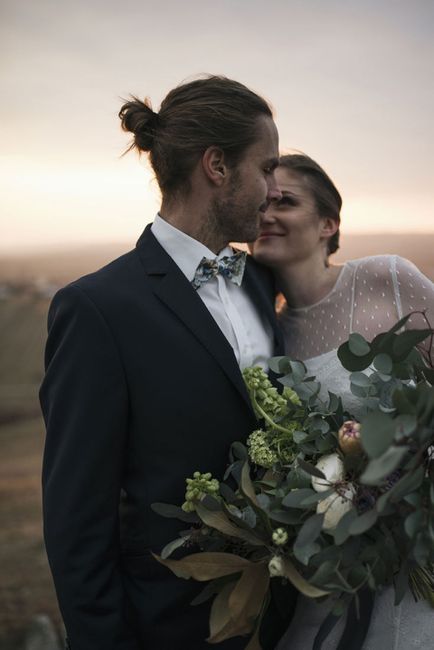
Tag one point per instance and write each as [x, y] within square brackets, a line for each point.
[323, 304]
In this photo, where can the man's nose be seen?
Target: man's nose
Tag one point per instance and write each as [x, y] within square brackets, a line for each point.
[274, 193]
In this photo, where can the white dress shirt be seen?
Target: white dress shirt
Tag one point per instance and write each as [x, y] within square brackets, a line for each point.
[247, 331]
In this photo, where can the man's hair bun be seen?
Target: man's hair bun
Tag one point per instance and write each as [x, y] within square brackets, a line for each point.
[138, 118]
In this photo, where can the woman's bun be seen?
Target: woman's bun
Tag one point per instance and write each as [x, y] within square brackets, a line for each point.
[138, 118]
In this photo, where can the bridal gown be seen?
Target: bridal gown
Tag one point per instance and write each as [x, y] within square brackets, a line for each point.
[369, 296]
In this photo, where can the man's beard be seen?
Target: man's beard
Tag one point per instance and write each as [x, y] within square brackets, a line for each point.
[231, 218]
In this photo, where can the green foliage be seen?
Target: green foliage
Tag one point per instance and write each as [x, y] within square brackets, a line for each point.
[330, 519]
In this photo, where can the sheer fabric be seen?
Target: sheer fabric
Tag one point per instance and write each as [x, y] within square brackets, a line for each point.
[370, 295]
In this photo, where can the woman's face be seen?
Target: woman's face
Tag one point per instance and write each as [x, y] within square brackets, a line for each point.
[291, 229]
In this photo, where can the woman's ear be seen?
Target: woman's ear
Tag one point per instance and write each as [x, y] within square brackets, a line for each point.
[328, 227]
[214, 165]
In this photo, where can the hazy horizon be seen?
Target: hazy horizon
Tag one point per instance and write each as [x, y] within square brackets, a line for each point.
[350, 83]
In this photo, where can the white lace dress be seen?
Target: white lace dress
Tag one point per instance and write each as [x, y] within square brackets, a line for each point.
[369, 296]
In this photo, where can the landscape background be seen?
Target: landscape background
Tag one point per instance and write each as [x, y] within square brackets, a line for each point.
[350, 82]
[27, 283]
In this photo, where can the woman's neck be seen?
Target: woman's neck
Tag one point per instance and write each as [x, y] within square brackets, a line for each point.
[306, 282]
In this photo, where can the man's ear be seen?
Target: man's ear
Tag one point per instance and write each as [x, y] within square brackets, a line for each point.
[214, 166]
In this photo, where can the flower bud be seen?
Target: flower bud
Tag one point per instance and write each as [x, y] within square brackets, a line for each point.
[280, 536]
[349, 437]
[275, 567]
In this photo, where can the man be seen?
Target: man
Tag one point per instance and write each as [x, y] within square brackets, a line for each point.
[143, 382]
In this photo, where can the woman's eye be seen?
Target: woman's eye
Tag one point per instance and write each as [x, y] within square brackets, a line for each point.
[285, 201]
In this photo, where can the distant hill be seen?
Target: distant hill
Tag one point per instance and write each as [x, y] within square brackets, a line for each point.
[60, 267]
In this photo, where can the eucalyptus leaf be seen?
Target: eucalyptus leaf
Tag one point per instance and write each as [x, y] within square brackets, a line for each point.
[379, 468]
[318, 496]
[377, 433]
[239, 451]
[304, 552]
[353, 362]
[408, 483]
[279, 365]
[360, 379]
[358, 345]
[310, 531]
[172, 546]
[295, 498]
[413, 523]
[310, 469]
[291, 517]
[227, 493]
[364, 522]
[174, 512]
[383, 363]
[421, 550]
[341, 533]
[405, 425]
[264, 501]
[299, 436]
[324, 572]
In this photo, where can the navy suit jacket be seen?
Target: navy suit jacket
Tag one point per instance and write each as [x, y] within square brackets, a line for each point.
[141, 390]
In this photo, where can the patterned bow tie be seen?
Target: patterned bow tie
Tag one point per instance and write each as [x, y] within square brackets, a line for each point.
[230, 267]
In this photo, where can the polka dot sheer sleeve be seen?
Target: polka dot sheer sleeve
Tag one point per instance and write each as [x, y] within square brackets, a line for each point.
[370, 295]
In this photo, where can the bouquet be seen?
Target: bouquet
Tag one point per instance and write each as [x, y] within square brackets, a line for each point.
[330, 501]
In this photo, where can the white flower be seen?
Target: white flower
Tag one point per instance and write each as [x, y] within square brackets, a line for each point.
[335, 506]
[275, 567]
[333, 469]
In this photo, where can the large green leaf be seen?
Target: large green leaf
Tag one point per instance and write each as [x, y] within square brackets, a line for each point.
[377, 433]
[246, 484]
[301, 583]
[205, 566]
[221, 624]
[247, 597]
[406, 341]
[220, 522]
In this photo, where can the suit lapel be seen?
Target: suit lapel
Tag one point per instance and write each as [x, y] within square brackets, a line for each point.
[173, 289]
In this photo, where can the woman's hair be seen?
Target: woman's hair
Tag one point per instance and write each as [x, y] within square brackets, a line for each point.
[194, 116]
[327, 198]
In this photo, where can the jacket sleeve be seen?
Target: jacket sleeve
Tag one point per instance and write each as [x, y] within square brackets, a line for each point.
[85, 405]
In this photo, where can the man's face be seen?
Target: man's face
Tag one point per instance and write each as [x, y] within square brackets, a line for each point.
[251, 187]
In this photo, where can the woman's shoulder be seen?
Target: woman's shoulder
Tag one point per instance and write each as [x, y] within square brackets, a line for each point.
[381, 266]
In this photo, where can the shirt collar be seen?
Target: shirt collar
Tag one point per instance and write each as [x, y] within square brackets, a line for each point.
[186, 252]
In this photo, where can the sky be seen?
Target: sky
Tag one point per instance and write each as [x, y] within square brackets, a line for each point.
[351, 84]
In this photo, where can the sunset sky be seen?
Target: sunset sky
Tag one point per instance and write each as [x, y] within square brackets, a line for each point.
[351, 83]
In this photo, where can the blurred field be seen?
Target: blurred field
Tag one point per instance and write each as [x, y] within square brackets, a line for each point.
[26, 284]
[25, 585]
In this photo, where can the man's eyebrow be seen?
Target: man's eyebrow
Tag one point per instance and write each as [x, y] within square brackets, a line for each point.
[273, 163]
